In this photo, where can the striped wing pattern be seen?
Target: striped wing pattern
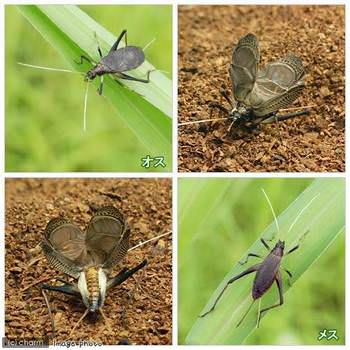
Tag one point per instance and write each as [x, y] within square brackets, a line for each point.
[268, 90]
[243, 70]
[107, 236]
[104, 243]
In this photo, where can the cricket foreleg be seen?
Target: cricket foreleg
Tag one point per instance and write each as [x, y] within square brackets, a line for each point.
[100, 88]
[124, 275]
[82, 59]
[298, 244]
[225, 95]
[248, 256]
[246, 272]
[263, 241]
[219, 106]
[98, 46]
[278, 280]
[115, 46]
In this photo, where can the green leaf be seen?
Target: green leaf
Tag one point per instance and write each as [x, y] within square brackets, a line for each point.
[145, 108]
[324, 219]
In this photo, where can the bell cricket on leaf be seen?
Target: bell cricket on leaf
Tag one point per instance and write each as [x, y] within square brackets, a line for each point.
[258, 95]
[268, 271]
[116, 62]
[89, 256]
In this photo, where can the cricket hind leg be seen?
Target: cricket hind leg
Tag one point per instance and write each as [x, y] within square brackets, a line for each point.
[246, 272]
[129, 77]
[124, 275]
[67, 288]
[120, 37]
[278, 280]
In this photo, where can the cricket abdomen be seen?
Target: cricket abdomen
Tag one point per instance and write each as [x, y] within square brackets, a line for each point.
[124, 59]
[92, 283]
[266, 275]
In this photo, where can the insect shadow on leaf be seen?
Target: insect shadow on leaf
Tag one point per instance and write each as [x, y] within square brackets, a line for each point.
[269, 270]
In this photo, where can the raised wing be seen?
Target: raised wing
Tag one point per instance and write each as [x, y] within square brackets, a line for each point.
[107, 237]
[243, 70]
[277, 86]
[64, 245]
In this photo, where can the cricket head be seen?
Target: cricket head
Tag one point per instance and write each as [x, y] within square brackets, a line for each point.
[92, 285]
[279, 248]
[239, 113]
[91, 74]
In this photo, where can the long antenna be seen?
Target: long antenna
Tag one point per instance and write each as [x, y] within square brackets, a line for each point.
[273, 212]
[149, 44]
[149, 240]
[49, 68]
[301, 211]
[224, 118]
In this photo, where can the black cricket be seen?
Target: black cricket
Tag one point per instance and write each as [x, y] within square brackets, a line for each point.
[117, 62]
[267, 272]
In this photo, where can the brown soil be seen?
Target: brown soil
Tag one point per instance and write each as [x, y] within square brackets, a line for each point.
[139, 310]
[207, 35]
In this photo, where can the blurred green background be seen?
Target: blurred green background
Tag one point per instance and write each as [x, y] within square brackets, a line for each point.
[218, 221]
[44, 110]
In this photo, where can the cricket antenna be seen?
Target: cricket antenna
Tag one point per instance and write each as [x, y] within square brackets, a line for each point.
[149, 44]
[49, 68]
[149, 240]
[301, 212]
[273, 212]
[76, 325]
[246, 313]
[85, 105]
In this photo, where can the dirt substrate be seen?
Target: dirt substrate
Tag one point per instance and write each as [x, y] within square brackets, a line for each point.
[207, 35]
[139, 310]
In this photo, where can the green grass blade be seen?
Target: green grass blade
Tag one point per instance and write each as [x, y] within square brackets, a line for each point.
[325, 220]
[145, 108]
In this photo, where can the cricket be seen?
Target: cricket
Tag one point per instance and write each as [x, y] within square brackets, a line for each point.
[258, 95]
[268, 271]
[89, 256]
[115, 63]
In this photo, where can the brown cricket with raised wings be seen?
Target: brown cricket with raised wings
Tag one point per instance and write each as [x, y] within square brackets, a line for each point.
[88, 256]
[258, 95]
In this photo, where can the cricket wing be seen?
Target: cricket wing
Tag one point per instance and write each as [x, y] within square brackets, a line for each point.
[107, 237]
[266, 275]
[243, 70]
[63, 245]
[277, 86]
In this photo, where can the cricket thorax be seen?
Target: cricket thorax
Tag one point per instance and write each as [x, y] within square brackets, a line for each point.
[92, 287]
[98, 70]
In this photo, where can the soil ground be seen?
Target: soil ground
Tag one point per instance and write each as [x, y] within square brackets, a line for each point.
[139, 310]
[207, 35]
